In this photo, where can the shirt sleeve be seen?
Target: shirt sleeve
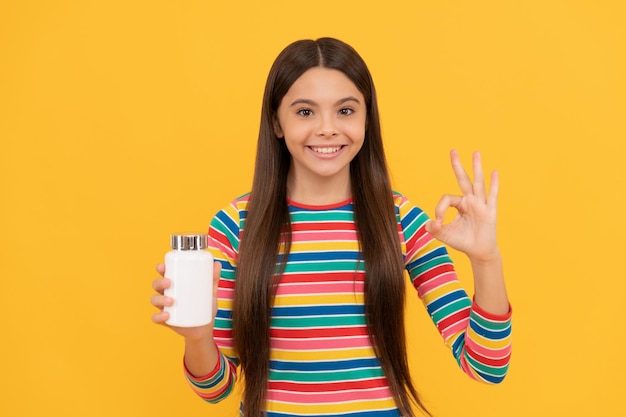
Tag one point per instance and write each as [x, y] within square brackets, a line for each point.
[479, 341]
[224, 235]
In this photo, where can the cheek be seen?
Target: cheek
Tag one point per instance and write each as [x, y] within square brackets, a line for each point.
[354, 128]
[356, 132]
[296, 131]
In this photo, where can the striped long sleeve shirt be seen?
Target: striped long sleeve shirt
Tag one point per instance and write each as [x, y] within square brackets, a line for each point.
[322, 362]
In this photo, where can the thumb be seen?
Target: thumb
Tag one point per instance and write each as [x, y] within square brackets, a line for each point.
[433, 227]
[217, 268]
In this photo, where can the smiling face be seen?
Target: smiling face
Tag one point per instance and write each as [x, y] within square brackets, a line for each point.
[322, 119]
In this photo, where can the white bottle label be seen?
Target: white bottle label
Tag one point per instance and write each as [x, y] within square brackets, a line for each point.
[191, 275]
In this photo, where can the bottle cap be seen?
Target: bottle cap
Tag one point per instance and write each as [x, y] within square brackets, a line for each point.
[188, 241]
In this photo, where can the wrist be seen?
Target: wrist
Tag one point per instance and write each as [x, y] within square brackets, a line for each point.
[486, 260]
[201, 356]
[489, 287]
[200, 338]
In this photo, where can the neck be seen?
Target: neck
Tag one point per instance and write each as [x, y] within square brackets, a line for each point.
[318, 191]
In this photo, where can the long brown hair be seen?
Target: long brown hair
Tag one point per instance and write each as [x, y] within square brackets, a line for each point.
[267, 227]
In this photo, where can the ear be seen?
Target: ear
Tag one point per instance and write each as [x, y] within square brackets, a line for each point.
[277, 130]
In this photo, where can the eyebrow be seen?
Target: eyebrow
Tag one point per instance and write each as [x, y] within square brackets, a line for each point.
[312, 103]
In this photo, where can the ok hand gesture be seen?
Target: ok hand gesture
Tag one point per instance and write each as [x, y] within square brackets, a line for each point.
[473, 230]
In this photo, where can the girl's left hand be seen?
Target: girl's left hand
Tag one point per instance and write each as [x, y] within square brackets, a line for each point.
[473, 230]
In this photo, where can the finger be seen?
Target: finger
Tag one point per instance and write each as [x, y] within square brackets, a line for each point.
[433, 226]
[160, 301]
[161, 269]
[479, 178]
[161, 284]
[494, 188]
[465, 184]
[161, 317]
[445, 203]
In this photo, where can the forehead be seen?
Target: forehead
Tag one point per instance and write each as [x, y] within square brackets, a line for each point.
[323, 83]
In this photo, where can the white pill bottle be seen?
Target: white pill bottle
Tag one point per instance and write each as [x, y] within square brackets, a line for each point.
[190, 268]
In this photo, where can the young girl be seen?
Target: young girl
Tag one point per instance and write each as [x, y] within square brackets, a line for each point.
[312, 260]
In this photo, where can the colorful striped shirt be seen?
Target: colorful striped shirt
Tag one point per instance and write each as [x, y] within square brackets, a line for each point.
[322, 362]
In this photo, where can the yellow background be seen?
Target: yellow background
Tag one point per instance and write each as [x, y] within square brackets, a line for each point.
[123, 121]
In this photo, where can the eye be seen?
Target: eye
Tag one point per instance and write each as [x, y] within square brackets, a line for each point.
[346, 111]
[305, 112]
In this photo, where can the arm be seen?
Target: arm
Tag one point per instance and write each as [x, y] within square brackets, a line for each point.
[479, 341]
[210, 362]
[489, 288]
[203, 361]
[473, 232]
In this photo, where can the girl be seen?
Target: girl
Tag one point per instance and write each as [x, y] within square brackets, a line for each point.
[311, 294]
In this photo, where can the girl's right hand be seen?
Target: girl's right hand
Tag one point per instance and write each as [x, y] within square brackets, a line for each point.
[160, 300]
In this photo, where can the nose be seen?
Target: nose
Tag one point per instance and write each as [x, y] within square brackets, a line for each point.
[327, 127]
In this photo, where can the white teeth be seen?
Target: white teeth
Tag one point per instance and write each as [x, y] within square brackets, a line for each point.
[327, 150]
